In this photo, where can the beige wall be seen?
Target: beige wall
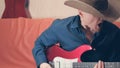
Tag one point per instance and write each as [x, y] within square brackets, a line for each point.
[2, 7]
[46, 8]
[50, 8]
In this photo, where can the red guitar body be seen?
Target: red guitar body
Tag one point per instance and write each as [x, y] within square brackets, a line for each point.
[56, 51]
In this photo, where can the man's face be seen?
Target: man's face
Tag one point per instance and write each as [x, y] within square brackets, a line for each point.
[87, 17]
[89, 20]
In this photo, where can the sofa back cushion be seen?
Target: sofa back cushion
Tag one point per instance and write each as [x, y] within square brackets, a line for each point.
[17, 38]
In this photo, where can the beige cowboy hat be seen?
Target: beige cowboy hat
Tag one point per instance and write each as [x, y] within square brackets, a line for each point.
[106, 9]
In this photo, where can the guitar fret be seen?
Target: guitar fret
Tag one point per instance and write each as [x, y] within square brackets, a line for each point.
[83, 65]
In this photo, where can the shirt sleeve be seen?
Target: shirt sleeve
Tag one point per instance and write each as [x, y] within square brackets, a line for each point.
[45, 40]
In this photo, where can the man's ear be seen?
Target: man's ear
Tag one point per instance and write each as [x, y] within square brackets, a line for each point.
[80, 13]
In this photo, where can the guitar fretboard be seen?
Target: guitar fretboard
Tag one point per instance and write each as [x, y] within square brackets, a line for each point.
[92, 64]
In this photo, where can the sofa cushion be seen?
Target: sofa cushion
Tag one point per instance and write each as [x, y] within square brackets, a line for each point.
[17, 38]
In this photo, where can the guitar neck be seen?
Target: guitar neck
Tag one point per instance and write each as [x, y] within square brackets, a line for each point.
[92, 64]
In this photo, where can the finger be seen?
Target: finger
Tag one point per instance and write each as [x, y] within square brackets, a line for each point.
[99, 64]
[102, 64]
[96, 65]
[88, 28]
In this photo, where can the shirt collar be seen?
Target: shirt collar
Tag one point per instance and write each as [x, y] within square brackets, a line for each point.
[76, 22]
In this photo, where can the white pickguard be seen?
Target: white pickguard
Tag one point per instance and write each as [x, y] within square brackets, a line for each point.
[60, 62]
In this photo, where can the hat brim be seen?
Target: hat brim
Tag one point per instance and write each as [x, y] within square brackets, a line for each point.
[84, 7]
[89, 9]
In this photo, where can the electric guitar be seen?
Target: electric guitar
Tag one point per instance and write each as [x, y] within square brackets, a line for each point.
[71, 59]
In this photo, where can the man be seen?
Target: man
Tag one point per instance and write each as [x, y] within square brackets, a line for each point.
[91, 26]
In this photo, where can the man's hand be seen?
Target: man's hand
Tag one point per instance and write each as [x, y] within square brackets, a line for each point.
[100, 64]
[45, 65]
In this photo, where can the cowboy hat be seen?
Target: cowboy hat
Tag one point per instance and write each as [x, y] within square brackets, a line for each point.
[106, 9]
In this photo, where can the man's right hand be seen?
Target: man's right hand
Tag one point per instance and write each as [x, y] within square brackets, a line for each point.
[45, 65]
[100, 64]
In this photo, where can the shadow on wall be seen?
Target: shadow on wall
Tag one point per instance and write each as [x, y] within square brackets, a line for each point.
[16, 8]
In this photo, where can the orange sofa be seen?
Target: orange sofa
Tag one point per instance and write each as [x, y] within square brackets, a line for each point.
[17, 38]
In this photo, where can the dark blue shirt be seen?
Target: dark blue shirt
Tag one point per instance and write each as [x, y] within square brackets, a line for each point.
[68, 32]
